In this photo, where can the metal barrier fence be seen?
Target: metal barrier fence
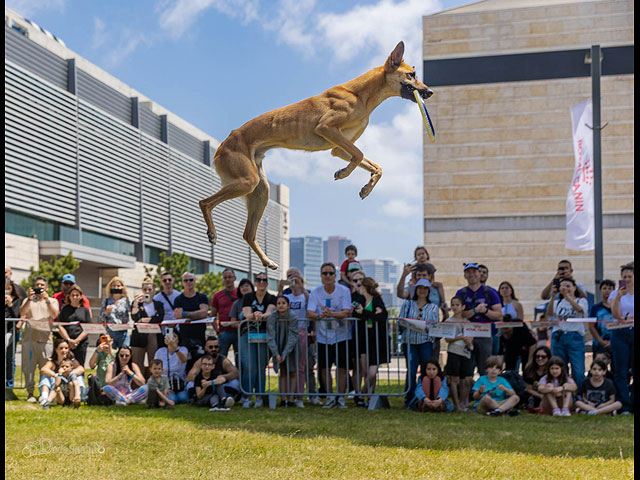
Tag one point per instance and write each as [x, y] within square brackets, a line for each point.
[364, 357]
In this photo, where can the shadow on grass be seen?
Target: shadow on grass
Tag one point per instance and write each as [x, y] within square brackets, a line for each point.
[578, 436]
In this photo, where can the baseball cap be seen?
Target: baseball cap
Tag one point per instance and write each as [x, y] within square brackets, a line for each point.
[68, 277]
[423, 282]
[470, 265]
[354, 267]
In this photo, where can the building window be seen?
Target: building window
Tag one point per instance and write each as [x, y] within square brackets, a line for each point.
[200, 266]
[152, 255]
[32, 227]
[103, 242]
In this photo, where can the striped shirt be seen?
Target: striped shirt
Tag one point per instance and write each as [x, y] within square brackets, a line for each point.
[429, 314]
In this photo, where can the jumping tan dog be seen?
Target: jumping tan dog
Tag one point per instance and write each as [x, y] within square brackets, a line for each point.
[332, 120]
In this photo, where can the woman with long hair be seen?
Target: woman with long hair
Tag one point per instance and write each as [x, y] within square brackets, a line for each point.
[74, 334]
[145, 309]
[510, 304]
[533, 372]
[115, 309]
[372, 335]
[122, 377]
[236, 317]
[50, 371]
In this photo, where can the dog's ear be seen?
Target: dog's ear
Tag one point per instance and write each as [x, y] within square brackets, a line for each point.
[395, 59]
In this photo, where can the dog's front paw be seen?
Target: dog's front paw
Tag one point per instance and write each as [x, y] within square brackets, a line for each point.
[271, 265]
[365, 191]
[340, 174]
[213, 238]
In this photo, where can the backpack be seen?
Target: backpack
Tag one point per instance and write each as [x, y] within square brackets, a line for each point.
[95, 395]
[487, 294]
[517, 383]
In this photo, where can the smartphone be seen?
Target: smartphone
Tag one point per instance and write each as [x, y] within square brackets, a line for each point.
[7, 292]
[556, 283]
[170, 333]
[622, 284]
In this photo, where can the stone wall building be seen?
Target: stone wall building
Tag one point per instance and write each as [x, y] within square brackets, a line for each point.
[505, 75]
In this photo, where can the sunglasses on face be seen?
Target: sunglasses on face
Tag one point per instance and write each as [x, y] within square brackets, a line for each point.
[167, 280]
[67, 283]
[541, 356]
[187, 279]
[328, 273]
[261, 280]
[213, 347]
[207, 364]
[124, 355]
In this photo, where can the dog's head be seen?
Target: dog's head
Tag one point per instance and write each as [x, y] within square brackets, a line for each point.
[401, 78]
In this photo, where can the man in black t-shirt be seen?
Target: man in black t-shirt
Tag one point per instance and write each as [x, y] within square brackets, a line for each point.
[516, 343]
[191, 305]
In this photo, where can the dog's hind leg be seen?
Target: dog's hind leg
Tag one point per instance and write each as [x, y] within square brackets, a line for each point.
[352, 154]
[256, 203]
[368, 165]
[238, 181]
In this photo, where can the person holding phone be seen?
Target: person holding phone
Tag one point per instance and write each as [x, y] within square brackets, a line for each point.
[37, 306]
[622, 339]
[115, 309]
[144, 309]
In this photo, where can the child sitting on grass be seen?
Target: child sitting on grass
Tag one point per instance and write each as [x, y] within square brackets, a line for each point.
[66, 387]
[158, 387]
[208, 392]
[432, 392]
[494, 393]
[605, 357]
[597, 393]
[557, 389]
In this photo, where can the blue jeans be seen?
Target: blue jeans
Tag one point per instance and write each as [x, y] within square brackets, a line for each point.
[622, 348]
[418, 355]
[226, 340]
[570, 347]
[180, 397]
[253, 363]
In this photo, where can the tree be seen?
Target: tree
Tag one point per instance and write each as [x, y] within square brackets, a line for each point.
[176, 265]
[52, 270]
[209, 284]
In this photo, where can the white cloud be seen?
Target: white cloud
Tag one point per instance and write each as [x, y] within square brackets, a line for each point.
[401, 208]
[28, 8]
[127, 44]
[99, 34]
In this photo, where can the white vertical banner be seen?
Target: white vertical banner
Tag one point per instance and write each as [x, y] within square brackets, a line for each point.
[580, 226]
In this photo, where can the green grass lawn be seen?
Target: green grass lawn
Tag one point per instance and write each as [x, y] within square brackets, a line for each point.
[188, 442]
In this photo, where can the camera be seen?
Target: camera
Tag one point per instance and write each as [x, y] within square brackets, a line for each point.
[37, 291]
[104, 339]
[147, 297]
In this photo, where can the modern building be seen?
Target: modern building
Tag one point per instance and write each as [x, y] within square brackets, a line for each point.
[305, 254]
[94, 167]
[386, 273]
[505, 76]
[333, 249]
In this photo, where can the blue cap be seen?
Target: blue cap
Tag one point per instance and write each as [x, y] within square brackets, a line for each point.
[423, 282]
[68, 277]
[470, 265]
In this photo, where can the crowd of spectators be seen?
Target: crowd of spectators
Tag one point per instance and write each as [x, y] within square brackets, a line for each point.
[343, 323]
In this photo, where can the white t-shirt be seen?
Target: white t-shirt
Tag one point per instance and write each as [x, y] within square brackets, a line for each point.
[563, 310]
[175, 366]
[168, 309]
[331, 331]
[298, 305]
[626, 303]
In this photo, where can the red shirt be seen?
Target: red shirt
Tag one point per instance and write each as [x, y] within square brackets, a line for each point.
[61, 299]
[222, 303]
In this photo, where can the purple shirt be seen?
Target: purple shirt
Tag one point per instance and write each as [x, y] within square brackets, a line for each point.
[484, 294]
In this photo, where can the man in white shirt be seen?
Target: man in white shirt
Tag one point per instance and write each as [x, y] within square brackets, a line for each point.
[328, 306]
[167, 296]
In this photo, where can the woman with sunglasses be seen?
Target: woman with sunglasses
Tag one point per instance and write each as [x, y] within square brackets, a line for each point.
[145, 309]
[122, 378]
[256, 307]
[115, 309]
[236, 317]
[419, 343]
[533, 371]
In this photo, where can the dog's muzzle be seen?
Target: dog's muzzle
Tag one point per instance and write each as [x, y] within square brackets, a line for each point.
[407, 92]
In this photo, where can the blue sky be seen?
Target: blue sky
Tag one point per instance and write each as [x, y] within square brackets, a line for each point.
[218, 64]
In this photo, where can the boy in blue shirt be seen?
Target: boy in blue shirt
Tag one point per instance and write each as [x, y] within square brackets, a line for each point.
[494, 393]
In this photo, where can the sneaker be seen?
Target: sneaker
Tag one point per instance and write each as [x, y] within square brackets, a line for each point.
[31, 399]
[228, 402]
[351, 395]
[626, 412]
[360, 402]
[494, 413]
[246, 402]
[341, 403]
[583, 412]
[258, 403]
[592, 412]
[218, 408]
[120, 403]
[614, 413]
[299, 404]
[556, 412]
[315, 401]
[513, 412]
[42, 400]
[565, 412]
[331, 403]
[46, 404]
